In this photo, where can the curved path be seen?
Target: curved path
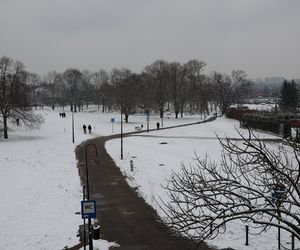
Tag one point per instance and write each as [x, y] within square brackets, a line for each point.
[123, 215]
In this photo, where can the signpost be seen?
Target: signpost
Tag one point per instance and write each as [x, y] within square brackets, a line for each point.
[88, 209]
[112, 124]
[147, 119]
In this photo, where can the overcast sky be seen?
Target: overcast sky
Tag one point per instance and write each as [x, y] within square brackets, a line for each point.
[261, 37]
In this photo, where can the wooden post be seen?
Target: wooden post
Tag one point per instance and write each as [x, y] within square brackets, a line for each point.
[247, 235]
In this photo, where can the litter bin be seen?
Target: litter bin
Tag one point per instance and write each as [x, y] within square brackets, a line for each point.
[96, 232]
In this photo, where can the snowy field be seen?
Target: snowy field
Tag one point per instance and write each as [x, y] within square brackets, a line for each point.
[40, 187]
[39, 184]
[161, 152]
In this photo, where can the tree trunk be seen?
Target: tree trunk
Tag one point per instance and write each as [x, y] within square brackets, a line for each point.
[103, 105]
[191, 108]
[161, 112]
[181, 112]
[5, 127]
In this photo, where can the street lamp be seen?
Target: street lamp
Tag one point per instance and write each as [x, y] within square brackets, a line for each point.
[121, 129]
[73, 137]
[88, 189]
[147, 119]
[84, 230]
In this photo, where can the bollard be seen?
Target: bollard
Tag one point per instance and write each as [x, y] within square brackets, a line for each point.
[247, 234]
[96, 232]
[279, 237]
[131, 165]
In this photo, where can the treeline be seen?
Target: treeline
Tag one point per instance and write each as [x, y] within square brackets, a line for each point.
[161, 86]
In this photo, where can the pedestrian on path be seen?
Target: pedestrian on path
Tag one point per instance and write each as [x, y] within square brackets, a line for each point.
[157, 125]
[84, 128]
[90, 128]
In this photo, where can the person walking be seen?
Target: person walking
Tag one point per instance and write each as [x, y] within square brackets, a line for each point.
[157, 125]
[84, 128]
[90, 129]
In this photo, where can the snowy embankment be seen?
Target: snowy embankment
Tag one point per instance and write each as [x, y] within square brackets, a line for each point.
[161, 152]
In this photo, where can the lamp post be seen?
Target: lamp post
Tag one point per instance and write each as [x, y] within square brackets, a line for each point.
[147, 119]
[84, 234]
[121, 129]
[88, 189]
[73, 137]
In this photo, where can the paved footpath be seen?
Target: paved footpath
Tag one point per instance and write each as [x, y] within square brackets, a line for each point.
[123, 215]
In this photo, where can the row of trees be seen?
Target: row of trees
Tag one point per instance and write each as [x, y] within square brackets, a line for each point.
[160, 86]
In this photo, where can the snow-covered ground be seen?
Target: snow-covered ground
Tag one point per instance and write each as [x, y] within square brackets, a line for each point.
[162, 152]
[40, 188]
[39, 184]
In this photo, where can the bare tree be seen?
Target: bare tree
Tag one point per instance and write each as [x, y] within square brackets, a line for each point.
[14, 101]
[52, 80]
[126, 85]
[100, 81]
[253, 183]
[175, 85]
[156, 84]
[33, 82]
[196, 90]
[71, 80]
[243, 91]
[224, 88]
[86, 88]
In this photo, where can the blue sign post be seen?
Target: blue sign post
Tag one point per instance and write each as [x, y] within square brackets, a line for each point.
[112, 124]
[88, 209]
